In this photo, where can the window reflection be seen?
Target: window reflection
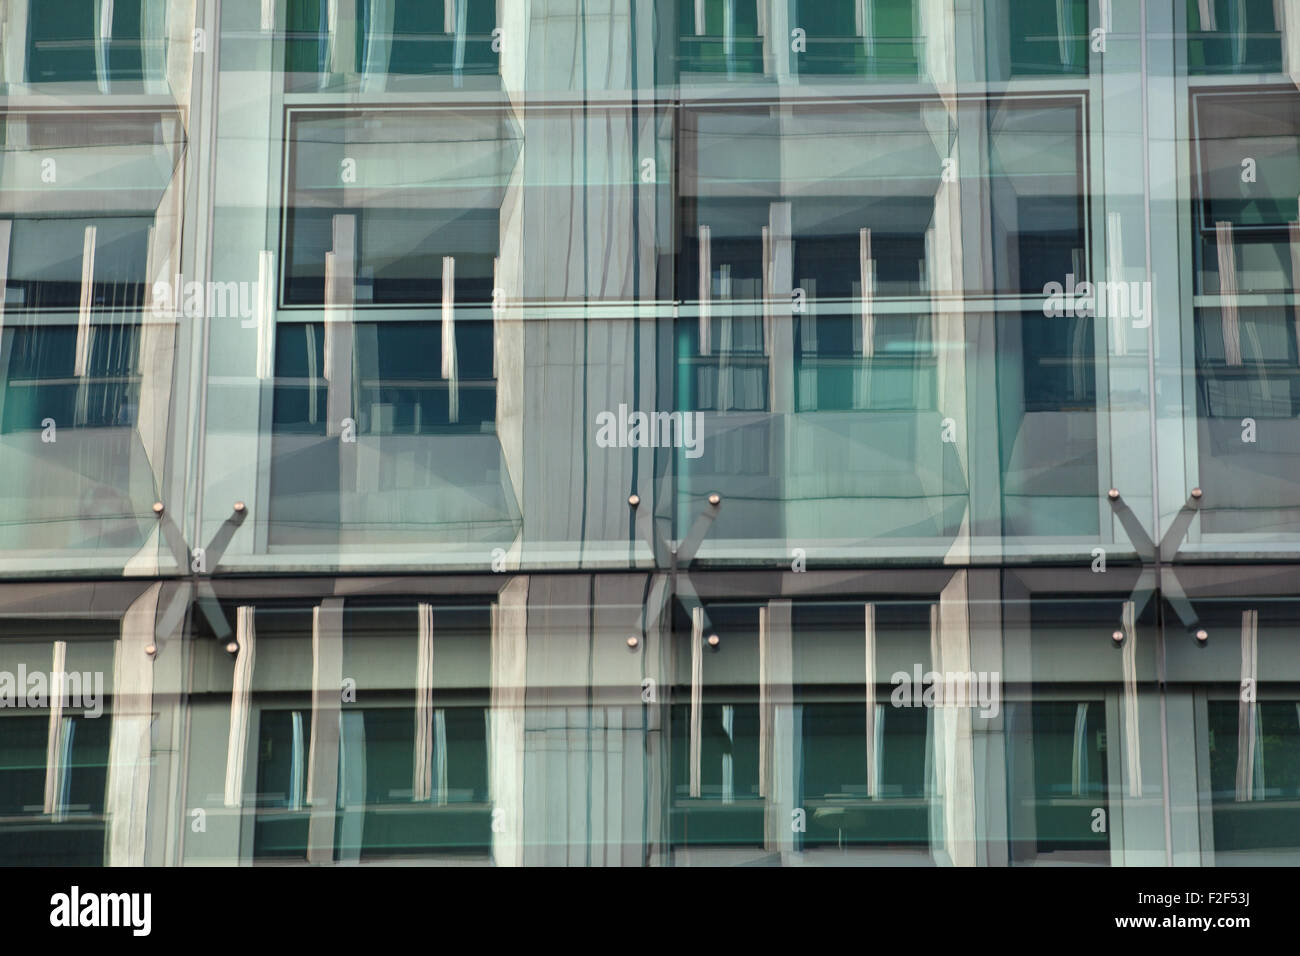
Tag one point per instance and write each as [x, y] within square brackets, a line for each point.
[377, 42]
[1254, 750]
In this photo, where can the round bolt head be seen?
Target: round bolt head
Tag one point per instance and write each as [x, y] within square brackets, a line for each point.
[714, 640]
[1202, 635]
[151, 649]
[157, 507]
[1117, 636]
[1113, 494]
[1196, 493]
[232, 647]
[633, 641]
[715, 499]
[240, 507]
[633, 500]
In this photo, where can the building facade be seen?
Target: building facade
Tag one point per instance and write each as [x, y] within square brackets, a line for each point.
[650, 432]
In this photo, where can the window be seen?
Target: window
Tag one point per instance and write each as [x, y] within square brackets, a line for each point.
[405, 202]
[1047, 38]
[876, 38]
[1247, 158]
[1235, 36]
[78, 41]
[721, 36]
[1254, 777]
[383, 42]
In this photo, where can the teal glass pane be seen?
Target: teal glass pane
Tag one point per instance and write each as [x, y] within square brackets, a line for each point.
[65, 43]
[1048, 421]
[26, 835]
[1248, 177]
[719, 37]
[876, 38]
[1067, 758]
[1047, 39]
[866, 764]
[57, 722]
[1248, 416]
[1233, 36]
[1255, 776]
[1037, 193]
[391, 40]
[401, 401]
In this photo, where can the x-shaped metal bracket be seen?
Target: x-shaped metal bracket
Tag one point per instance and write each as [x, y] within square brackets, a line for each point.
[673, 563]
[1160, 578]
[204, 595]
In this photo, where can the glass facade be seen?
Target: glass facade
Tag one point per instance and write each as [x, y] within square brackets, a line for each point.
[650, 432]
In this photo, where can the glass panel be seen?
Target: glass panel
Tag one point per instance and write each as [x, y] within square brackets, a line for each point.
[439, 377]
[1233, 36]
[378, 44]
[90, 335]
[56, 723]
[875, 38]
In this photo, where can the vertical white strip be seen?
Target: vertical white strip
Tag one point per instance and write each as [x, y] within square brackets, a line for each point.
[1115, 273]
[82, 360]
[786, 760]
[6, 231]
[1132, 732]
[422, 774]
[869, 649]
[867, 275]
[509, 676]
[265, 318]
[313, 374]
[340, 275]
[1295, 278]
[55, 766]
[726, 343]
[498, 309]
[13, 45]
[697, 697]
[766, 279]
[297, 763]
[1228, 293]
[150, 266]
[1287, 21]
[706, 289]
[699, 18]
[314, 734]
[103, 45]
[954, 745]
[440, 795]
[130, 750]
[240, 705]
[335, 41]
[1208, 23]
[1240, 33]
[1079, 761]
[1247, 711]
[458, 53]
[268, 16]
[764, 700]
[781, 385]
[449, 364]
[729, 33]
[448, 17]
[327, 758]
[728, 761]
[1063, 30]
